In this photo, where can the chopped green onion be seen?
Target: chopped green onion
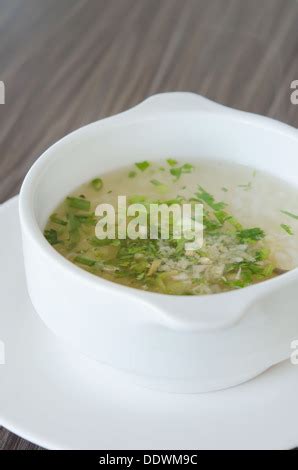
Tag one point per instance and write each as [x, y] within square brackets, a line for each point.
[156, 183]
[73, 229]
[88, 219]
[132, 174]
[73, 223]
[79, 203]
[56, 220]
[290, 214]
[268, 270]
[97, 184]
[262, 254]
[287, 229]
[52, 236]
[84, 261]
[94, 241]
[136, 199]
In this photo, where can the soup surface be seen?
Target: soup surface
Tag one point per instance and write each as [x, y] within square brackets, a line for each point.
[250, 227]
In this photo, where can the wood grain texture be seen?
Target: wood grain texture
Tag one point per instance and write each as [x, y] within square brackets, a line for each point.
[66, 63]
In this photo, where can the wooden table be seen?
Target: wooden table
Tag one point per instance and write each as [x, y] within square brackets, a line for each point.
[66, 63]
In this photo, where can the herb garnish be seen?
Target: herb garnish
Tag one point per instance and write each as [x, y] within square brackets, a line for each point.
[290, 214]
[52, 236]
[142, 165]
[79, 203]
[287, 229]
[251, 234]
[97, 184]
[172, 162]
[177, 172]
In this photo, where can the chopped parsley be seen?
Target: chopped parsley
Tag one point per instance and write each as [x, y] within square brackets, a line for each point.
[204, 196]
[178, 171]
[142, 165]
[172, 162]
[251, 234]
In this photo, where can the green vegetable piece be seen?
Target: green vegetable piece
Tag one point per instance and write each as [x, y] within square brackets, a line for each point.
[136, 199]
[237, 284]
[52, 236]
[97, 184]
[73, 229]
[56, 220]
[73, 223]
[177, 172]
[79, 203]
[222, 216]
[142, 165]
[287, 229]
[172, 162]
[262, 254]
[94, 241]
[132, 174]
[156, 183]
[163, 188]
[251, 234]
[209, 199]
[268, 270]
[290, 214]
[84, 261]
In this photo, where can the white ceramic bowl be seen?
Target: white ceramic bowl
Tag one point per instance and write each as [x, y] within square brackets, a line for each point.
[180, 344]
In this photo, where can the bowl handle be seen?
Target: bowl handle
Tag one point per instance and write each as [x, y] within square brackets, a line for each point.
[174, 102]
[217, 311]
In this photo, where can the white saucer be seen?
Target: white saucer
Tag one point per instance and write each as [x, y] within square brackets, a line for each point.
[61, 400]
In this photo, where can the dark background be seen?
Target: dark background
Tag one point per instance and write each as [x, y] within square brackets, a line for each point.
[66, 63]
